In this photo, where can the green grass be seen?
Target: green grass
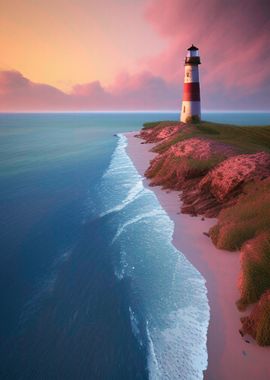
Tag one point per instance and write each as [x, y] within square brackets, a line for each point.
[248, 221]
[154, 169]
[256, 270]
[193, 119]
[161, 124]
[258, 323]
[163, 146]
[247, 218]
[263, 325]
[248, 139]
[204, 165]
[171, 171]
[232, 235]
[244, 225]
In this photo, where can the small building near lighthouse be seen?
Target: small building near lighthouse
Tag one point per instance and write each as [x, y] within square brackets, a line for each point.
[191, 104]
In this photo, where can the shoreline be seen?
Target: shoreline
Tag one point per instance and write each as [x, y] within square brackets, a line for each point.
[229, 355]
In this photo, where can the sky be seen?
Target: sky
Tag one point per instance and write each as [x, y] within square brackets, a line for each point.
[72, 55]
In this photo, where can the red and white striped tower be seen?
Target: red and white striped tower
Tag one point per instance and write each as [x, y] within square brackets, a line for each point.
[191, 105]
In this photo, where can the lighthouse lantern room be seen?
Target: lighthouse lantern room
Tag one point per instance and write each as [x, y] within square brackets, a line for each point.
[191, 104]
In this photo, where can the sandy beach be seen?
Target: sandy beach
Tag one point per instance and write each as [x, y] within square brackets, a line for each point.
[230, 357]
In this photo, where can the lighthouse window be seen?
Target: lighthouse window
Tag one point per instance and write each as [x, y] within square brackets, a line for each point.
[184, 109]
[187, 74]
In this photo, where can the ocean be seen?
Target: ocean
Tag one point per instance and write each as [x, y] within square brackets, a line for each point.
[91, 286]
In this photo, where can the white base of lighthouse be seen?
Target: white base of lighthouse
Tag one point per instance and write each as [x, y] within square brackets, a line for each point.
[190, 109]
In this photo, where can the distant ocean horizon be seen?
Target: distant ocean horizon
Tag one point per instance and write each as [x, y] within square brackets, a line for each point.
[91, 286]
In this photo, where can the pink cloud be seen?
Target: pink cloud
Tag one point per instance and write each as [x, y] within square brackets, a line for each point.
[19, 93]
[11, 80]
[233, 37]
[140, 91]
[88, 89]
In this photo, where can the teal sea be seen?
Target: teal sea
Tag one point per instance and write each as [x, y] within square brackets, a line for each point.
[91, 286]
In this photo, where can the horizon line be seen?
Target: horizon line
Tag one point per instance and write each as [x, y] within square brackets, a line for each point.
[130, 111]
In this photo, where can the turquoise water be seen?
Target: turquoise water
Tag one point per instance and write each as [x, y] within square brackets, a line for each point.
[91, 286]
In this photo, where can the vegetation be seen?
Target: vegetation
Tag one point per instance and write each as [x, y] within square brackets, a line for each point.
[170, 171]
[193, 119]
[263, 325]
[246, 219]
[246, 226]
[258, 323]
[159, 124]
[163, 146]
[256, 270]
[155, 167]
[243, 220]
[249, 139]
[203, 166]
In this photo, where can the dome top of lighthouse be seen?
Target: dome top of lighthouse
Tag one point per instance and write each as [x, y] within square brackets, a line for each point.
[193, 56]
[193, 48]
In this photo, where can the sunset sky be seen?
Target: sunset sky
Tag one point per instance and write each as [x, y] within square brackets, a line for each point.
[128, 54]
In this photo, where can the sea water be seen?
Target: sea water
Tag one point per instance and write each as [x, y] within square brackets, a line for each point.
[91, 286]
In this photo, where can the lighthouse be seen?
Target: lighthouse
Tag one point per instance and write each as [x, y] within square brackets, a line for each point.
[191, 104]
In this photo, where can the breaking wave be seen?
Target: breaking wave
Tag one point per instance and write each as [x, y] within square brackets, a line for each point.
[169, 311]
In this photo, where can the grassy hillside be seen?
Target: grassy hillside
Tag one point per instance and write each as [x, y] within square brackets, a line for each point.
[248, 218]
[230, 183]
[248, 139]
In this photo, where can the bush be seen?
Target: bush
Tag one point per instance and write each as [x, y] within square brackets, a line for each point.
[263, 326]
[154, 167]
[171, 171]
[244, 220]
[204, 165]
[231, 236]
[258, 323]
[255, 263]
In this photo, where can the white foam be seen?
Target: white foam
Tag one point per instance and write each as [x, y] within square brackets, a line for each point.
[120, 271]
[178, 353]
[116, 157]
[135, 325]
[171, 290]
[153, 366]
[128, 182]
[138, 218]
[133, 194]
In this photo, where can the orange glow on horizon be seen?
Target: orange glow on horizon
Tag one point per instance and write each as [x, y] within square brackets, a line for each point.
[129, 54]
[64, 43]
